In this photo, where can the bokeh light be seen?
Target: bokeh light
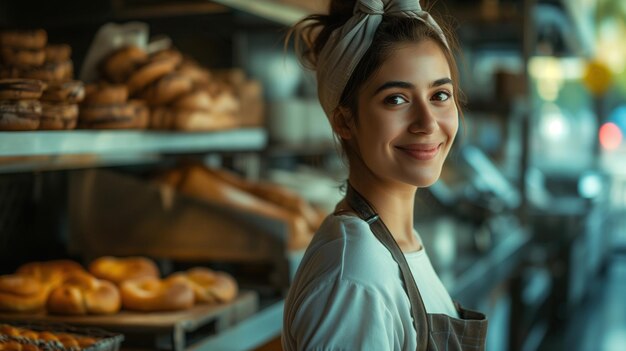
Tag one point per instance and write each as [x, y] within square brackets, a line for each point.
[610, 136]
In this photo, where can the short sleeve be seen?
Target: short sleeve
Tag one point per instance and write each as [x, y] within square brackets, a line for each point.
[343, 315]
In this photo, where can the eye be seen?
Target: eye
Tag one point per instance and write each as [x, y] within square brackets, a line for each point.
[395, 100]
[441, 96]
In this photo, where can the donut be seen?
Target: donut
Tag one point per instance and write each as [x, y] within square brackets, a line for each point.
[122, 62]
[97, 94]
[50, 272]
[20, 114]
[22, 57]
[210, 286]
[157, 66]
[58, 52]
[81, 294]
[149, 294]
[71, 91]
[24, 39]
[58, 116]
[22, 293]
[119, 269]
[21, 89]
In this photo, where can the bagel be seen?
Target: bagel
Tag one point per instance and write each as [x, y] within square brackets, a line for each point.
[20, 114]
[22, 293]
[24, 39]
[122, 62]
[157, 66]
[120, 269]
[149, 294]
[58, 52]
[50, 272]
[166, 89]
[50, 71]
[103, 94]
[71, 91]
[22, 57]
[56, 116]
[210, 286]
[81, 294]
[196, 100]
[21, 89]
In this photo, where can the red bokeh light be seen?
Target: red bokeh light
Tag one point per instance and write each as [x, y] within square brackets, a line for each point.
[610, 136]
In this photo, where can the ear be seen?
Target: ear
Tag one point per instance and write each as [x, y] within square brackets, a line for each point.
[342, 122]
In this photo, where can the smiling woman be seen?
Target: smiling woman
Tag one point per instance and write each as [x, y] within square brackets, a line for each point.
[388, 83]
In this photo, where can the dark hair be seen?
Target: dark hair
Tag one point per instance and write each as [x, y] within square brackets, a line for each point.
[312, 33]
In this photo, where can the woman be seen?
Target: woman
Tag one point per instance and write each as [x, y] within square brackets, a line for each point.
[388, 83]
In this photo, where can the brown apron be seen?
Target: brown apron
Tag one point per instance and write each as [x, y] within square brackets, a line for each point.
[434, 331]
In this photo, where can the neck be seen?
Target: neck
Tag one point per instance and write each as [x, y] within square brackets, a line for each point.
[394, 202]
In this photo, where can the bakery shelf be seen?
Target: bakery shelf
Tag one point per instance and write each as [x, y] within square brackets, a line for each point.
[74, 142]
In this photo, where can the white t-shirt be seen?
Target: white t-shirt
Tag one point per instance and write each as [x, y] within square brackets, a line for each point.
[348, 293]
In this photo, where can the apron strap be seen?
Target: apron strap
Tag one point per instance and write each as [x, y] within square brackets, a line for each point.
[365, 211]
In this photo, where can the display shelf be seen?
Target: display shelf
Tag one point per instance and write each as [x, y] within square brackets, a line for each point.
[110, 142]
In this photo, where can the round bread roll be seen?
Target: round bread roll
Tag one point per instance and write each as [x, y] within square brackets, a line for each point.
[105, 94]
[58, 52]
[210, 286]
[71, 92]
[50, 272]
[22, 293]
[150, 294]
[81, 294]
[122, 63]
[21, 89]
[58, 116]
[157, 66]
[120, 269]
[20, 114]
[22, 57]
[24, 39]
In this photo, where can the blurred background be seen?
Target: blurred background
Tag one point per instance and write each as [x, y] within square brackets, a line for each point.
[527, 223]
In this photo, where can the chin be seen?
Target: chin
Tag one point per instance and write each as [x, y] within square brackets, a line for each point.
[425, 179]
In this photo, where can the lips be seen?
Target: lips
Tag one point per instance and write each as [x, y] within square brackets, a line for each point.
[421, 152]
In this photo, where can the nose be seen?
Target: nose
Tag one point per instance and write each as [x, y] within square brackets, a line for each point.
[423, 120]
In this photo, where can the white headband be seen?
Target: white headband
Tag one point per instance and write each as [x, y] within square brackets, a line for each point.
[348, 43]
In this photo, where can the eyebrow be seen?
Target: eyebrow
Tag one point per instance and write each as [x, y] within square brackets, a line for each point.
[407, 85]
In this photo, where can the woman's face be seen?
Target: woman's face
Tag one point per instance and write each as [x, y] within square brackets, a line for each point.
[407, 116]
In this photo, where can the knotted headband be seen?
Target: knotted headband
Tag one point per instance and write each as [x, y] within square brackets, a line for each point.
[348, 43]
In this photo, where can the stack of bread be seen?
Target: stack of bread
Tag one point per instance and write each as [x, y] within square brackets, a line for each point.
[27, 59]
[262, 198]
[106, 106]
[109, 284]
[181, 94]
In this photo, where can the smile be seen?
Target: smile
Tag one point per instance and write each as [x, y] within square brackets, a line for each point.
[421, 152]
